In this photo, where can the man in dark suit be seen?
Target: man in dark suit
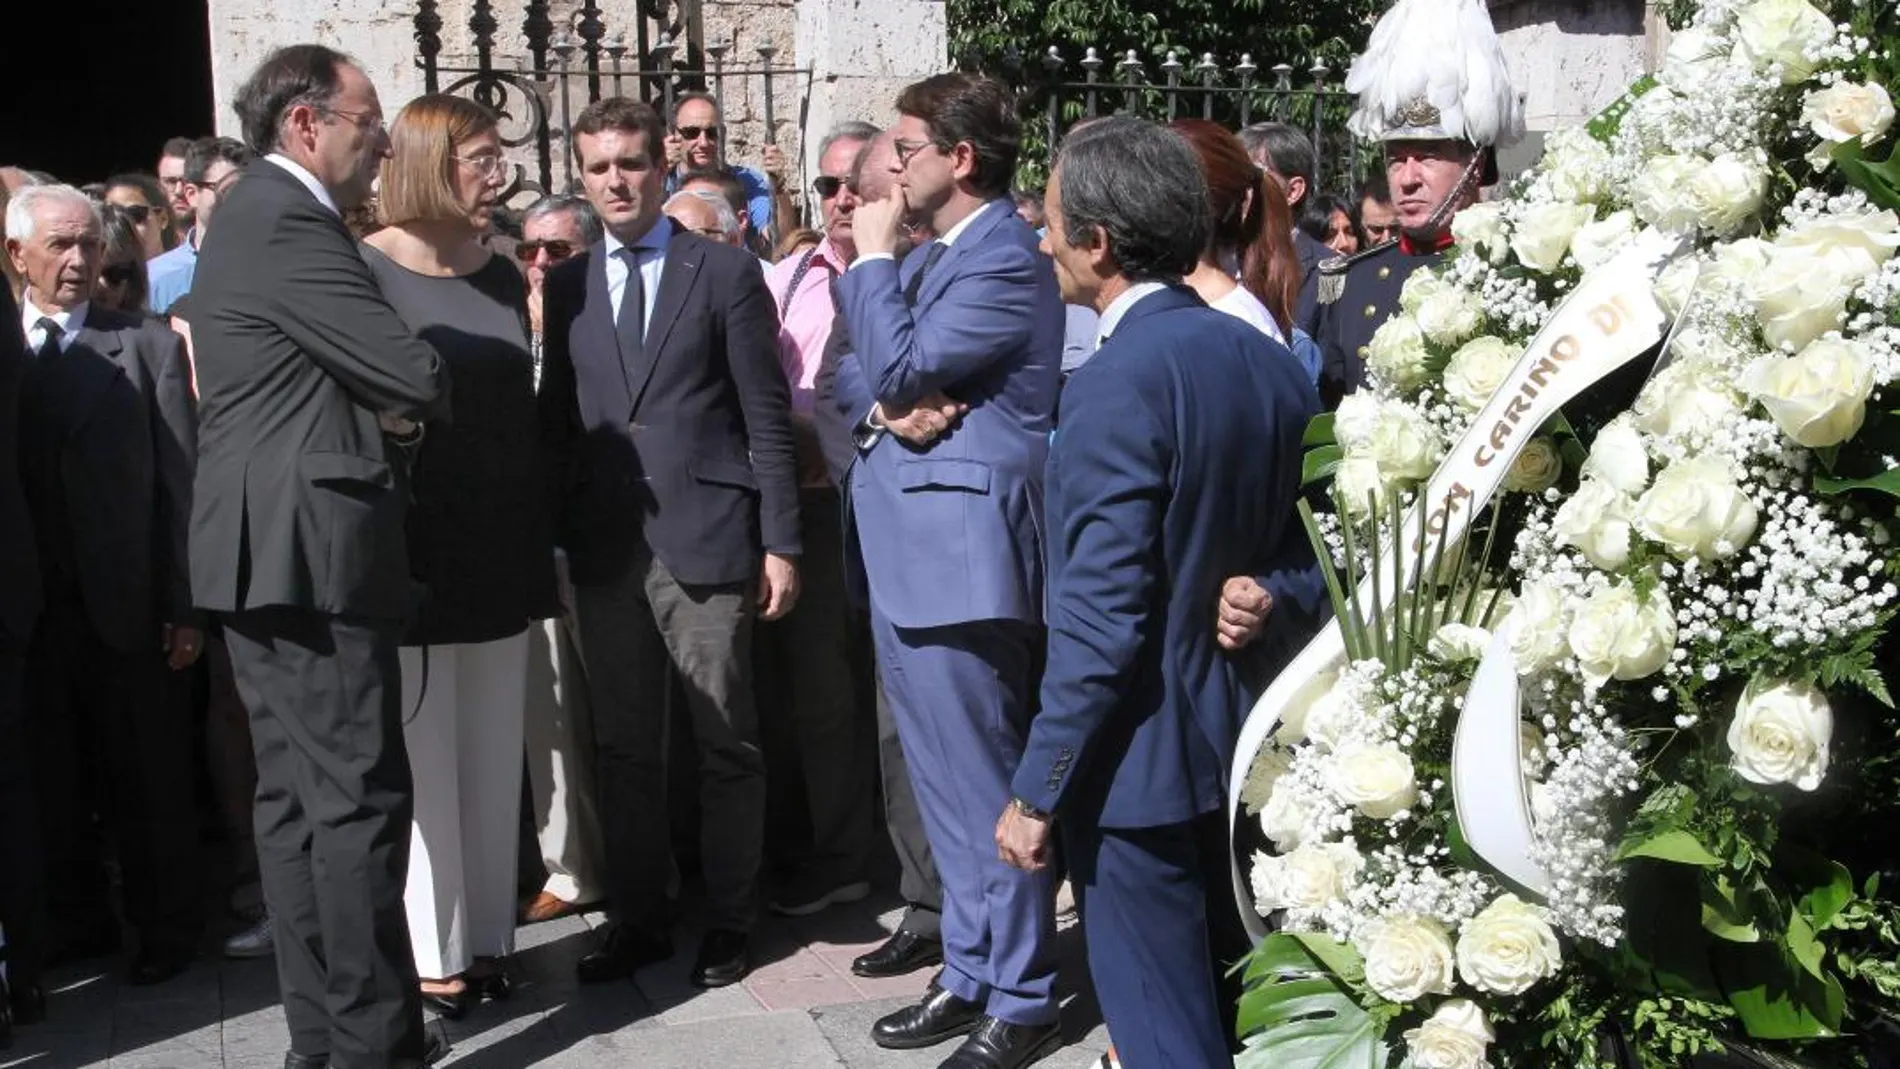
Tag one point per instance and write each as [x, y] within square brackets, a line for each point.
[1287, 154]
[22, 875]
[106, 444]
[305, 375]
[1176, 466]
[661, 361]
[948, 527]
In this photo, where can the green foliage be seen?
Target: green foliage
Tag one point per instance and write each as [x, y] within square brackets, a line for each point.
[1300, 1009]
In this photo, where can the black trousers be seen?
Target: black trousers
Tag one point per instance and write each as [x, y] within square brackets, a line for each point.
[22, 868]
[110, 738]
[334, 809]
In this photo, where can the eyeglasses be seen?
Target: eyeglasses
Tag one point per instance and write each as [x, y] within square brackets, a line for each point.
[484, 164]
[118, 274]
[526, 251]
[362, 120]
[712, 232]
[138, 212]
[908, 150]
[827, 186]
[694, 133]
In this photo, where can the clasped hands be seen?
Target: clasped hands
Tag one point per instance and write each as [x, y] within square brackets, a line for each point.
[922, 423]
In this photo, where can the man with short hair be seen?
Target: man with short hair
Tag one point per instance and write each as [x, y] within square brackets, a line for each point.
[212, 166]
[697, 144]
[312, 388]
[107, 443]
[1378, 219]
[682, 531]
[1157, 491]
[967, 333]
[1287, 154]
[171, 178]
[703, 212]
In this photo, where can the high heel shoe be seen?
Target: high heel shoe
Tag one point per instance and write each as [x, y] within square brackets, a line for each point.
[450, 1005]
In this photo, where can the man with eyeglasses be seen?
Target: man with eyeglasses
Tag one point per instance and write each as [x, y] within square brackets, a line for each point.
[171, 178]
[212, 166]
[696, 144]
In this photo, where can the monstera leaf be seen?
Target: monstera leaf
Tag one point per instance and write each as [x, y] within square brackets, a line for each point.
[1298, 1011]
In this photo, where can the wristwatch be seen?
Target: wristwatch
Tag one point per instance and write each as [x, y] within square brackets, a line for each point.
[1031, 811]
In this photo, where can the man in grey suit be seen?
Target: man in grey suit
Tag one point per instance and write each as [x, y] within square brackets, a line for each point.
[661, 360]
[308, 379]
[106, 450]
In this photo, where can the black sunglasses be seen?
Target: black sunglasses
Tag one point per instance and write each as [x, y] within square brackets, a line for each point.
[138, 212]
[557, 250]
[118, 274]
[693, 133]
[827, 186]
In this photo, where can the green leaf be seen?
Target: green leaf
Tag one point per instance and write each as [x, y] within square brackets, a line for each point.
[1610, 119]
[1297, 1014]
[1319, 431]
[1775, 996]
[1880, 180]
[1319, 464]
[1887, 482]
[1725, 914]
[1825, 884]
[1805, 948]
[1673, 845]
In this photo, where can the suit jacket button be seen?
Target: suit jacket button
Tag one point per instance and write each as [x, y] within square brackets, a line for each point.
[1371, 310]
[1385, 272]
[1365, 351]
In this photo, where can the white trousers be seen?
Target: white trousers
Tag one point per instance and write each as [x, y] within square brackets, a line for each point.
[561, 763]
[465, 752]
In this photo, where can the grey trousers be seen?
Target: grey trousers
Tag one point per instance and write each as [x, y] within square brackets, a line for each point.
[633, 631]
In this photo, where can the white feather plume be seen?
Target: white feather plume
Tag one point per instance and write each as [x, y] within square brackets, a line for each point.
[1447, 52]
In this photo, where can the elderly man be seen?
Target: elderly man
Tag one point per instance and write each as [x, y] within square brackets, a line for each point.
[703, 212]
[212, 166]
[106, 448]
[1178, 464]
[823, 744]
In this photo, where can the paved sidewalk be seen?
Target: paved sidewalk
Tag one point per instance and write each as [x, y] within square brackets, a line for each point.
[800, 1008]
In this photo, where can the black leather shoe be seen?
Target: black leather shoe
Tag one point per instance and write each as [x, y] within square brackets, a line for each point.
[293, 1060]
[939, 1016]
[448, 1005]
[28, 1004]
[623, 951]
[905, 952]
[722, 959]
[998, 1044]
[156, 967]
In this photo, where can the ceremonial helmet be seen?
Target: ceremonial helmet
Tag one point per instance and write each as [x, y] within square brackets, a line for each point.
[1434, 70]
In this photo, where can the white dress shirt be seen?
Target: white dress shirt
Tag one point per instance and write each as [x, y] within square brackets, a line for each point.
[650, 252]
[69, 323]
[947, 239]
[1117, 308]
[309, 181]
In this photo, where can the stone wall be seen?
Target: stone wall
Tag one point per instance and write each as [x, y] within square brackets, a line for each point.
[1570, 59]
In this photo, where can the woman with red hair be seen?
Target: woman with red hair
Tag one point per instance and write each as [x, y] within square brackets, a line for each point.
[1249, 269]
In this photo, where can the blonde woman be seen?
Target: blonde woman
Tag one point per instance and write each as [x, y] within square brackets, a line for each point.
[480, 543]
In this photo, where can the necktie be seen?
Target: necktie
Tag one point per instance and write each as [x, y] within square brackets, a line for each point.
[630, 324]
[931, 256]
[50, 347]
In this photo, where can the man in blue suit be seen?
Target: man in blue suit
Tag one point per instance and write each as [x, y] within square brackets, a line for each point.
[951, 386]
[1176, 466]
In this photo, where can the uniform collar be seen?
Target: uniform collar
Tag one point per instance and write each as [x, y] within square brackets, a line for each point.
[1411, 246]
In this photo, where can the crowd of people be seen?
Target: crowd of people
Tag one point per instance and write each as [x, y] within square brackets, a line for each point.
[375, 491]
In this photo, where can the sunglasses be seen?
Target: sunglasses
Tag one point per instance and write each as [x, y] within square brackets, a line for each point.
[827, 186]
[694, 133]
[525, 251]
[118, 274]
[138, 212]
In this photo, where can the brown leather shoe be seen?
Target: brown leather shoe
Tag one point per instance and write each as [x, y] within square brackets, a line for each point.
[547, 906]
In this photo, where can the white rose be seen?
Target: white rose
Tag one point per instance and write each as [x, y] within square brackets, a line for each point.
[1857, 242]
[1374, 777]
[1449, 316]
[1696, 510]
[1818, 397]
[1738, 262]
[1576, 166]
[1728, 192]
[1536, 468]
[1292, 729]
[1420, 285]
[1329, 718]
[1406, 958]
[1508, 947]
[1597, 520]
[1675, 284]
[1477, 369]
[1311, 877]
[1283, 818]
[1457, 643]
[1687, 396]
[1481, 229]
[1800, 297]
[1397, 352]
[1617, 635]
[1356, 481]
[1455, 1036]
[1783, 32]
[1544, 231]
[1661, 193]
[1618, 458]
[1354, 419]
[1403, 443]
[1780, 734]
[1271, 763]
[1532, 755]
[1542, 638]
[1543, 803]
[1595, 244]
[1694, 55]
[1846, 111]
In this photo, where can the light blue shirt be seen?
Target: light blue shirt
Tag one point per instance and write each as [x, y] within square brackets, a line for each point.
[1117, 308]
[758, 193]
[650, 252]
[169, 273]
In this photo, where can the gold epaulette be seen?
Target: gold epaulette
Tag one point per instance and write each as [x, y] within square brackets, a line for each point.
[1332, 272]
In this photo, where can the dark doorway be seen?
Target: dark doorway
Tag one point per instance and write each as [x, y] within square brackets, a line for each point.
[104, 98]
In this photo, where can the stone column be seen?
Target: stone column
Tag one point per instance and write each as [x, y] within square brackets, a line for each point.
[379, 34]
[1570, 59]
[861, 53]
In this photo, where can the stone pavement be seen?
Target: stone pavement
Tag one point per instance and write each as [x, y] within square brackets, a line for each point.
[800, 1008]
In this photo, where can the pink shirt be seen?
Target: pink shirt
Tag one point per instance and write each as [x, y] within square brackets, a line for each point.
[805, 321]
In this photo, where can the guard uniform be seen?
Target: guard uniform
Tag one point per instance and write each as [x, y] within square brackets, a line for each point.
[1357, 294]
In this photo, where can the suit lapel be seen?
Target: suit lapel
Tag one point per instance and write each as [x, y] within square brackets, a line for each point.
[676, 282]
[979, 230]
[95, 362]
